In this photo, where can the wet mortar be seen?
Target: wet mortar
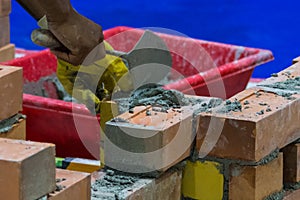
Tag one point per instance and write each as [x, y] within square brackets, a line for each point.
[38, 88]
[8, 124]
[116, 185]
[290, 86]
[230, 106]
[110, 186]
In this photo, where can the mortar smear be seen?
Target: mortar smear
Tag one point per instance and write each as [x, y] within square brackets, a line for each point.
[230, 106]
[7, 124]
[111, 185]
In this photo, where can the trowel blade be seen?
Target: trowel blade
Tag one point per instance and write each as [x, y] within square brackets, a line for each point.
[150, 60]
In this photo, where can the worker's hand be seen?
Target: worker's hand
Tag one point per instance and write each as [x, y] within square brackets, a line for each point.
[94, 83]
[71, 37]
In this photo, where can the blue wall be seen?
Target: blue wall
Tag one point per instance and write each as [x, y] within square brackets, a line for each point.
[273, 25]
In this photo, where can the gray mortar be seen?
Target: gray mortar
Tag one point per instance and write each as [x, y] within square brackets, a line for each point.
[287, 188]
[7, 124]
[112, 183]
[276, 196]
[161, 99]
[37, 88]
[230, 106]
[115, 185]
[290, 86]
[156, 95]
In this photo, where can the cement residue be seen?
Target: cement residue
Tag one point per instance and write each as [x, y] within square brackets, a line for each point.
[157, 96]
[276, 196]
[109, 186]
[230, 106]
[39, 88]
[206, 106]
[292, 186]
[7, 124]
[291, 84]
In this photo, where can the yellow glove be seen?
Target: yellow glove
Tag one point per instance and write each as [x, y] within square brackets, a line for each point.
[95, 82]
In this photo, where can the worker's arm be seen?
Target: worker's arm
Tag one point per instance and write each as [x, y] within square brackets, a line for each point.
[77, 34]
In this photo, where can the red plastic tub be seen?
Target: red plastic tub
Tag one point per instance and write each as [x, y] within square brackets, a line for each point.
[204, 65]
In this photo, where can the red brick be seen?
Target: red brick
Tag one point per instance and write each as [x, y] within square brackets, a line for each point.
[7, 52]
[11, 90]
[75, 186]
[256, 182]
[4, 31]
[292, 195]
[247, 135]
[18, 131]
[291, 159]
[149, 134]
[27, 169]
[5, 7]
[167, 186]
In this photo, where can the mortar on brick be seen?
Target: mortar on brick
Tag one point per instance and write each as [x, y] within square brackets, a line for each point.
[7, 124]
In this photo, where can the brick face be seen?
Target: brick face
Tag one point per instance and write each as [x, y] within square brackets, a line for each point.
[27, 169]
[149, 134]
[7, 52]
[11, 91]
[76, 186]
[257, 130]
[5, 7]
[256, 182]
[4, 31]
[291, 159]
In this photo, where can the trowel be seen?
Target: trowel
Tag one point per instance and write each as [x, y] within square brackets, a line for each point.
[149, 61]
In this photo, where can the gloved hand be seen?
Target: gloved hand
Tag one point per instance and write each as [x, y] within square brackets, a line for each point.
[96, 82]
[77, 36]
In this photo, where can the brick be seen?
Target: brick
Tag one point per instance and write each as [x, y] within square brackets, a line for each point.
[250, 134]
[256, 182]
[4, 31]
[11, 90]
[5, 7]
[75, 186]
[166, 187]
[149, 134]
[203, 180]
[7, 52]
[15, 131]
[27, 169]
[291, 157]
[292, 195]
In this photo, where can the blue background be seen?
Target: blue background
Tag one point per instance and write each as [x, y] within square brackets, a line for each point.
[273, 25]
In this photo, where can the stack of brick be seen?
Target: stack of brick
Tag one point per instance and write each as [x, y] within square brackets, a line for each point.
[142, 131]
[248, 147]
[12, 124]
[28, 172]
[7, 50]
